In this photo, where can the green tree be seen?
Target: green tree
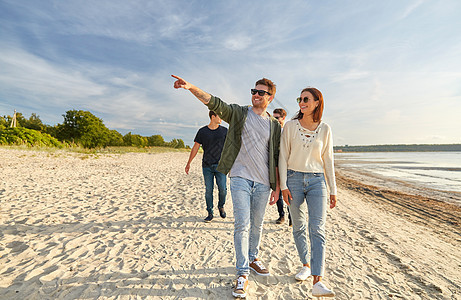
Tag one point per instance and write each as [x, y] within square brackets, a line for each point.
[180, 144]
[176, 143]
[127, 139]
[94, 136]
[115, 138]
[135, 140]
[3, 123]
[139, 141]
[51, 130]
[84, 128]
[19, 120]
[156, 140]
[34, 122]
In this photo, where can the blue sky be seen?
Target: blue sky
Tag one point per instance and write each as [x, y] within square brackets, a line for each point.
[390, 71]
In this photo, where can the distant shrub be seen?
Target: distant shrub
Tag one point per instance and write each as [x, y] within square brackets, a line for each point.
[25, 136]
[176, 143]
[135, 140]
[156, 140]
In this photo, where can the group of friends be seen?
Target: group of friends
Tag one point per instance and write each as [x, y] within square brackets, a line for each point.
[266, 164]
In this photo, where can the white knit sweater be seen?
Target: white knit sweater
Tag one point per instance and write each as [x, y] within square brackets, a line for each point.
[304, 150]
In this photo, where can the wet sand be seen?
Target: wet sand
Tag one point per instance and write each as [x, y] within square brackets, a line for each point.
[130, 226]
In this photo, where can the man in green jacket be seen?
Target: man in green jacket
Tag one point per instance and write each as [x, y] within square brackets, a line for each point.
[250, 157]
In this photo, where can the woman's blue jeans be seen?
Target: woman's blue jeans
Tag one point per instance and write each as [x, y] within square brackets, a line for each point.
[309, 194]
[209, 173]
[249, 199]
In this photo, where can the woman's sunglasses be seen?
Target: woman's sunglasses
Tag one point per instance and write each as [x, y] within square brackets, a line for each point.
[305, 99]
[260, 92]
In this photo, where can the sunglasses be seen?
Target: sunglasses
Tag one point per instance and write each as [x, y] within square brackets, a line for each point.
[260, 92]
[305, 99]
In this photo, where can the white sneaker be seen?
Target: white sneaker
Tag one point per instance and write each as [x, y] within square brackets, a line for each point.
[240, 287]
[303, 274]
[320, 290]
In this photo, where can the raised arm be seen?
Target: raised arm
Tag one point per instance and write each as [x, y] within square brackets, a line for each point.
[182, 84]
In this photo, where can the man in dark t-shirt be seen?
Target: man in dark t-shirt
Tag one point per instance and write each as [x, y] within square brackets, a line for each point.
[280, 114]
[212, 138]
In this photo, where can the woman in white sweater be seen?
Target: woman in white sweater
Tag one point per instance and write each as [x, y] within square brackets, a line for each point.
[306, 160]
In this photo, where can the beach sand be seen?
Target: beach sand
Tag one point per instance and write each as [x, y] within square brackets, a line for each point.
[130, 226]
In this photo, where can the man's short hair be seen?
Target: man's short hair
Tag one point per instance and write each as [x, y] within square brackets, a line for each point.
[270, 85]
[212, 113]
[280, 111]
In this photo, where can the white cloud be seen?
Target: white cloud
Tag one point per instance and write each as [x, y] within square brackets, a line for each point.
[410, 8]
[237, 43]
[23, 72]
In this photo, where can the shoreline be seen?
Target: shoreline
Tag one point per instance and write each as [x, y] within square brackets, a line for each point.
[433, 211]
[118, 226]
[389, 183]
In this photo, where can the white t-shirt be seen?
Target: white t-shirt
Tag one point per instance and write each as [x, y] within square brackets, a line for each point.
[252, 161]
[307, 151]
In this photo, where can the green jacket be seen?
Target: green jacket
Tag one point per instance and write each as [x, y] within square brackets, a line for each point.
[236, 115]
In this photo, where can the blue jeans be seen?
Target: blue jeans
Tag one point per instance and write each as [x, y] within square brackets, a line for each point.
[208, 174]
[249, 199]
[309, 193]
[280, 204]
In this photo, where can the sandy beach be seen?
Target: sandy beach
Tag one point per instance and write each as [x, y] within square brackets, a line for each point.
[130, 226]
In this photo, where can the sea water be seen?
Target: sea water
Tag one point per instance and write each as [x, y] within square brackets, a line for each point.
[437, 170]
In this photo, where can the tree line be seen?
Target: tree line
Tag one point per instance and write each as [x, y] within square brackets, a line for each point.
[78, 128]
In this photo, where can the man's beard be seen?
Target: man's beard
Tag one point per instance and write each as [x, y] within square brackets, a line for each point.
[260, 104]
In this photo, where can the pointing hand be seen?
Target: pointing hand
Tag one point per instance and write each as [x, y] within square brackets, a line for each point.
[181, 83]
